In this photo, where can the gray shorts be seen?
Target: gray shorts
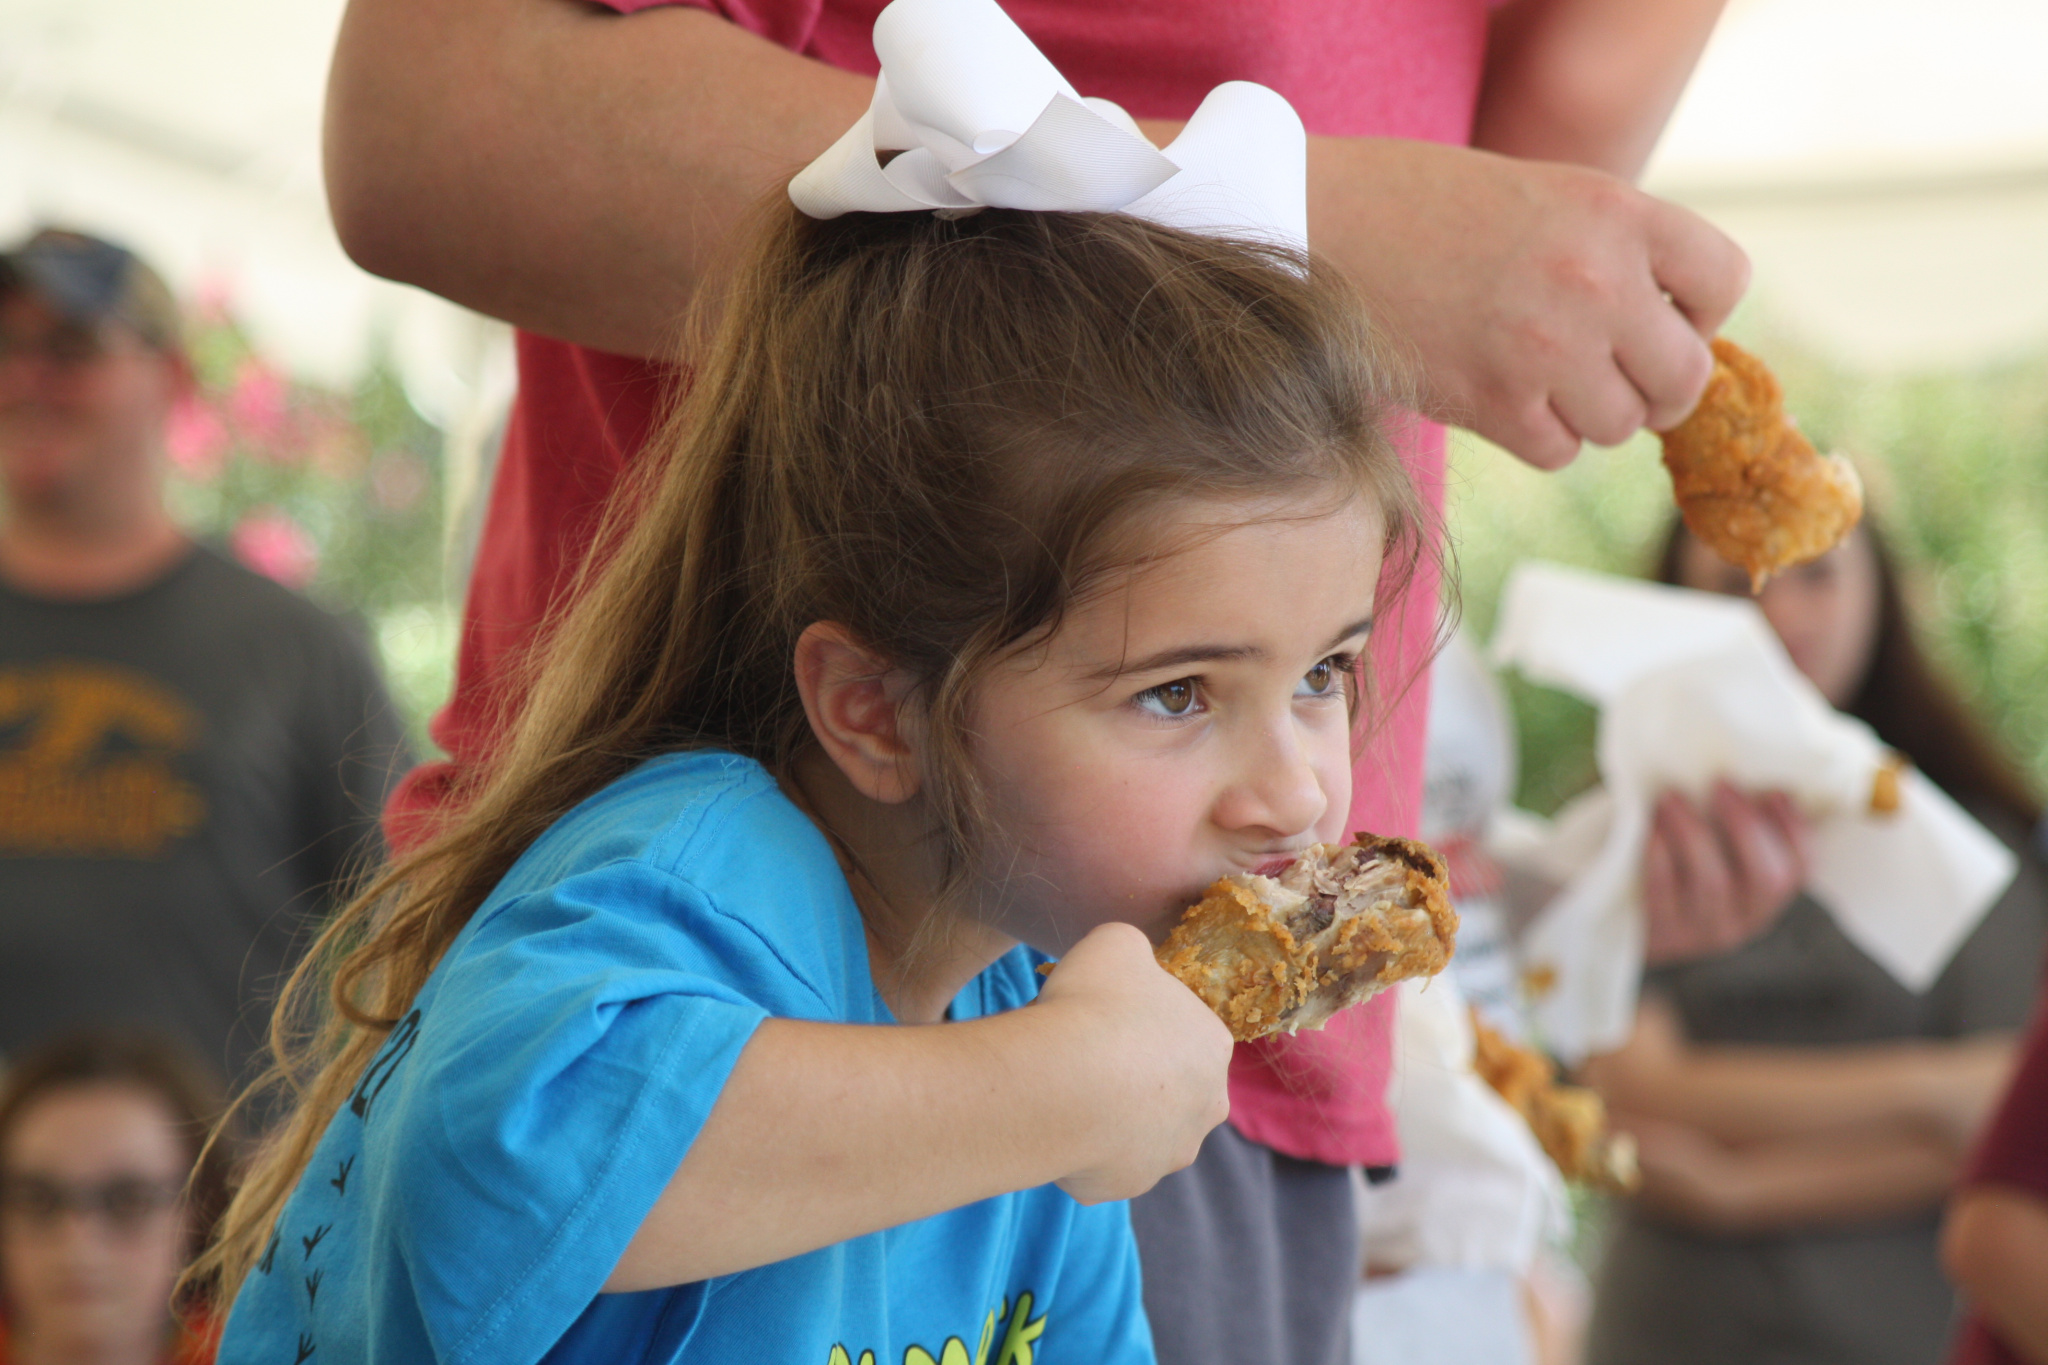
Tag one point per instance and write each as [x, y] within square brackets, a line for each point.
[1250, 1258]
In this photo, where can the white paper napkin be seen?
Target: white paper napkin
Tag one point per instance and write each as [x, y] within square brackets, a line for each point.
[1694, 687]
[1475, 1190]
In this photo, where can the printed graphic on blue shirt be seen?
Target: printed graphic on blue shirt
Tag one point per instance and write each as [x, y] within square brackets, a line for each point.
[1020, 1336]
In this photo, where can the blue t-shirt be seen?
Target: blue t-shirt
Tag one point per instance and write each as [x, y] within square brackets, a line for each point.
[471, 1196]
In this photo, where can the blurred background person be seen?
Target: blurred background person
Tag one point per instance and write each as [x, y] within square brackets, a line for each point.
[190, 754]
[1995, 1238]
[99, 1134]
[1800, 1113]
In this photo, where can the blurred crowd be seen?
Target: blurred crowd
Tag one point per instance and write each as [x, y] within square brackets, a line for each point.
[194, 759]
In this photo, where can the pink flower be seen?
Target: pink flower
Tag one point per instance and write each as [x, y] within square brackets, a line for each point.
[195, 439]
[210, 299]
[257, 405]
[274, 545]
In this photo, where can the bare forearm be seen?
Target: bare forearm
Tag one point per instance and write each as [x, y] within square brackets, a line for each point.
[567, 169]
[1591, 82]
[826, 1132]
[1996, 1248]
[1810, 1182]
[1753, 1094]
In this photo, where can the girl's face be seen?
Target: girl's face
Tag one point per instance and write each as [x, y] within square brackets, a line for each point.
[1824, 612]
[1186, 721]
[92, 1233]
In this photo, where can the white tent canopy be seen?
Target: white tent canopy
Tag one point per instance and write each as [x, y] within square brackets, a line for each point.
[192, 132]
[1886, 164]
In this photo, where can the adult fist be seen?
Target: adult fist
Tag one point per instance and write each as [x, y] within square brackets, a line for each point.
[1547, 304]
[1161, 1058]
[1714, 879]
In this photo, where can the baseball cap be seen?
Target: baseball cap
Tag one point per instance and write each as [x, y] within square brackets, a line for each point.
[88, 279]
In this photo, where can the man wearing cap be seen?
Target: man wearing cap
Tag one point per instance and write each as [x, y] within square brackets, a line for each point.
[190, 754]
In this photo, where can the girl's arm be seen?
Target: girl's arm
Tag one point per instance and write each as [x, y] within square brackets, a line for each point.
[825, 1132]
[1995, 1246]
[1791, 1182]
[1739, 1095]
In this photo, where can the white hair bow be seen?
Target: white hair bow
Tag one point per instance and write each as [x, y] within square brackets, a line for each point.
[980, 119]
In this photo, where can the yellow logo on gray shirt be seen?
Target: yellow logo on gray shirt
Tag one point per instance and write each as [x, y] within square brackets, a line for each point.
[89, 771]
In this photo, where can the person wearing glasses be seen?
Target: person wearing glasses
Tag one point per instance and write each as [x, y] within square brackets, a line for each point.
[104, 1196]
[190, 754]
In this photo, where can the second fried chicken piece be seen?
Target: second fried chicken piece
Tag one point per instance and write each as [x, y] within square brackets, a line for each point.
[1284, 953]
[1570, 1122]
[1748, 484]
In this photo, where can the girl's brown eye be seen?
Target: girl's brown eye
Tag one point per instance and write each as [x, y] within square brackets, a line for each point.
[1170, 700]
[1319, 681]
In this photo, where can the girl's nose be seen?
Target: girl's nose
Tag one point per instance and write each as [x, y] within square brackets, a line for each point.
[1276, 787]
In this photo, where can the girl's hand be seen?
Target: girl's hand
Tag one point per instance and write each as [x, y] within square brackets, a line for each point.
[1160, 1062]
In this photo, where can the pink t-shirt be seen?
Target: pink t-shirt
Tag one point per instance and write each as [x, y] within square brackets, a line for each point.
[1388, 68]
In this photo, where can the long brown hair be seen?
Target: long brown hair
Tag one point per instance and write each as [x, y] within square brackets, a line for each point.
[1908, 701]
[145, 1061]
[933, 432]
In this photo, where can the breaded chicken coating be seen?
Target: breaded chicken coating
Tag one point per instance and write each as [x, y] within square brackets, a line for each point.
[1284, 953]
[1748, 484]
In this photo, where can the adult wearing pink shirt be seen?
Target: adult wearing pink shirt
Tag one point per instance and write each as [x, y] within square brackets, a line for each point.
[574, 169]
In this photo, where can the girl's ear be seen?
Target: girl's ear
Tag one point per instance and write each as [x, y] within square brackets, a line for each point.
[857, 704]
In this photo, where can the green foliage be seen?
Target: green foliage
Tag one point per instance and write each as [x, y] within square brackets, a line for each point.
[339, 495]
[1957, 469]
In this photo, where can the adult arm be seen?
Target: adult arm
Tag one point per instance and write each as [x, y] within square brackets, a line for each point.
[568, 169]
[1941, 1091]
[1586, 318]
[1591, 82]
[1995, 1247]
[576, 173]
[1793, 1182]
[825, 1132]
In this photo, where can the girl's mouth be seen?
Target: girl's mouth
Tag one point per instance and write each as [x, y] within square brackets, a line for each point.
[1273, 867]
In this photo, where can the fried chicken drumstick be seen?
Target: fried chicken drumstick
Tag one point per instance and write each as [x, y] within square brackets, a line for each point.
[1344, 921]
[1748, 484]
[1570, 1122]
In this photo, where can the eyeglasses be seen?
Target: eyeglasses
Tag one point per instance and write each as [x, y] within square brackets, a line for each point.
[68, 346]
[124, 1203]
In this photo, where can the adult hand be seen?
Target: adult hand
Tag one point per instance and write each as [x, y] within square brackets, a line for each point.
[1547, 304]
[1687, 1175]
[1714, 879]
[1164, 1057]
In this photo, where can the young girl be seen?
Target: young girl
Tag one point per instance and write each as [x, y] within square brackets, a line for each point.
[1002, 582]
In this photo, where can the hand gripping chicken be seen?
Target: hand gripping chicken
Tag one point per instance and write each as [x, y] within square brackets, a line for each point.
[1748, 484]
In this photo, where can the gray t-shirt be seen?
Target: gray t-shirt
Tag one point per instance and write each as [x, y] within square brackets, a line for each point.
[185, 773]
[1865, 1295]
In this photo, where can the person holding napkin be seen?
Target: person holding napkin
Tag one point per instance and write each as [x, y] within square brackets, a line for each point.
[1801, 1113]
